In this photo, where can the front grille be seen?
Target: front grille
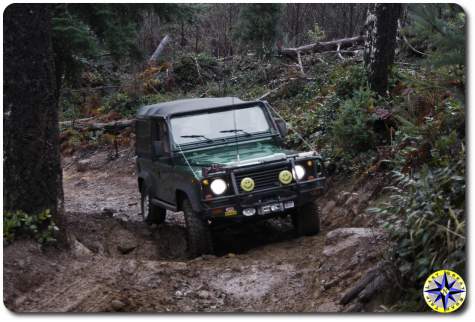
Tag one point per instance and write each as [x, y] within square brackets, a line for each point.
[263, 178]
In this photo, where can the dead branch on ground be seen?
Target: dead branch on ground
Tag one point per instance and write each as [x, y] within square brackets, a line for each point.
[322, 46]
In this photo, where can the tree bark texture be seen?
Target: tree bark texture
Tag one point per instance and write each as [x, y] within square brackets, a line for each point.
[380, 43]
[32, 178]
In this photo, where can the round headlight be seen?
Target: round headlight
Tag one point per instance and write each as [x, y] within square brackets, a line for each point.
[218, 186]
[298, 172]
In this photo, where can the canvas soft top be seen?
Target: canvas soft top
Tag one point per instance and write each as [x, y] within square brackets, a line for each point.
[188, 105]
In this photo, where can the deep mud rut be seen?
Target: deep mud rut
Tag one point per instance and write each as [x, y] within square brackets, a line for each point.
[120, 264]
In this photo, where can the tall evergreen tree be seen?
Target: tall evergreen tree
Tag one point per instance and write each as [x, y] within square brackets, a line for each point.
[380, 44]
[442, 28]
[32, 178]
[259, 25]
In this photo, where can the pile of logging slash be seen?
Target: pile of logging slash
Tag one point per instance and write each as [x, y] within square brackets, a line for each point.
[348, 46]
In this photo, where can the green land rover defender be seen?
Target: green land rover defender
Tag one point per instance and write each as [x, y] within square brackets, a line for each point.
[222, 161]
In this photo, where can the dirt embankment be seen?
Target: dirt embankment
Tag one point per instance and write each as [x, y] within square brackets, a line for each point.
[117, 263]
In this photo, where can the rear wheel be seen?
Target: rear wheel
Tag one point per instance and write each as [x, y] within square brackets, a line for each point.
[151, 213]
[306, 219]
[198, 233]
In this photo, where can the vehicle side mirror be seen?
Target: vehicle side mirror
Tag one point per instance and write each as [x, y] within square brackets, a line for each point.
[157, 148]
[281, 126]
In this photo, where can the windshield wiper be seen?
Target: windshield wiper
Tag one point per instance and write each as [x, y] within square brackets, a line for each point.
[235, 131]
[197, 136]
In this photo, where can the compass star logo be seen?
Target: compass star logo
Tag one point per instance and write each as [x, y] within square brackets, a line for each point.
[444, 291]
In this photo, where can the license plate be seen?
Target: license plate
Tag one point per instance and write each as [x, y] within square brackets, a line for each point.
[267, 209]
[230, 212]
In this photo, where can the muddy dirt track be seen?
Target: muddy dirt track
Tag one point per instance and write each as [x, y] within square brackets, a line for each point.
[117, 263]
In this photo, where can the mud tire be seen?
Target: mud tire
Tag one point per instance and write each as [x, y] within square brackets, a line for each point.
[306, 220]
[197, 232]
[151, 214]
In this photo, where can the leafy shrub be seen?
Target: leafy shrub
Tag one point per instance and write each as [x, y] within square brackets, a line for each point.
[326, 114]
[69, 103]
[349, 79]
[73, 140]
[444, 133]
[425, 212]
[426, 218]
[122, 103]
[313, 121]
[292, 89]
[18, 224]
[204, 59]
[352, 129]
[316, 34]
[190, 70]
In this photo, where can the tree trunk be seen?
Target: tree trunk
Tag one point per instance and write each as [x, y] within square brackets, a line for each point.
[380, 43]
[297, 24]
[182, 34]
[32, 167]
[350, 20]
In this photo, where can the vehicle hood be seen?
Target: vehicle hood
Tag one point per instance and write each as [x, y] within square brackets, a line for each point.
[248, 152]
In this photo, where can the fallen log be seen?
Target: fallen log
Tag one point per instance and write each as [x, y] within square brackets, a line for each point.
[74, 122]
[332, 45]
[109, 127]
[115, 126]
[156, 54]
[360, 285]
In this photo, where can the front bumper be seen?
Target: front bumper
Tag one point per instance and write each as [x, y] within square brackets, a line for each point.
[230, 208]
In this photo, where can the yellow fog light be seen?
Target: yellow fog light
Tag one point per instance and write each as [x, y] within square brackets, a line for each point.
[285, 176]
[247, 184]
[309, 163]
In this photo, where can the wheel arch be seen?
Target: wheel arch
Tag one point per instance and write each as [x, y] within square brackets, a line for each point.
[140, 183]
[144, 180]
[182, 194]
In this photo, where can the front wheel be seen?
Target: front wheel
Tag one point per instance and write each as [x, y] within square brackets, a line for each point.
[306, 219]
[198, 233]
[151, 213]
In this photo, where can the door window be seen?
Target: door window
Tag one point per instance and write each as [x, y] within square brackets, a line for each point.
[163, 135]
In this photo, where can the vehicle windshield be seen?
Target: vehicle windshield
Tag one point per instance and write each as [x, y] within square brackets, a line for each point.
[206, 127]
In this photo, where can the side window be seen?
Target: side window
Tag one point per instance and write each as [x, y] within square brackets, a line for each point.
[163, 135]
[142, 131]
